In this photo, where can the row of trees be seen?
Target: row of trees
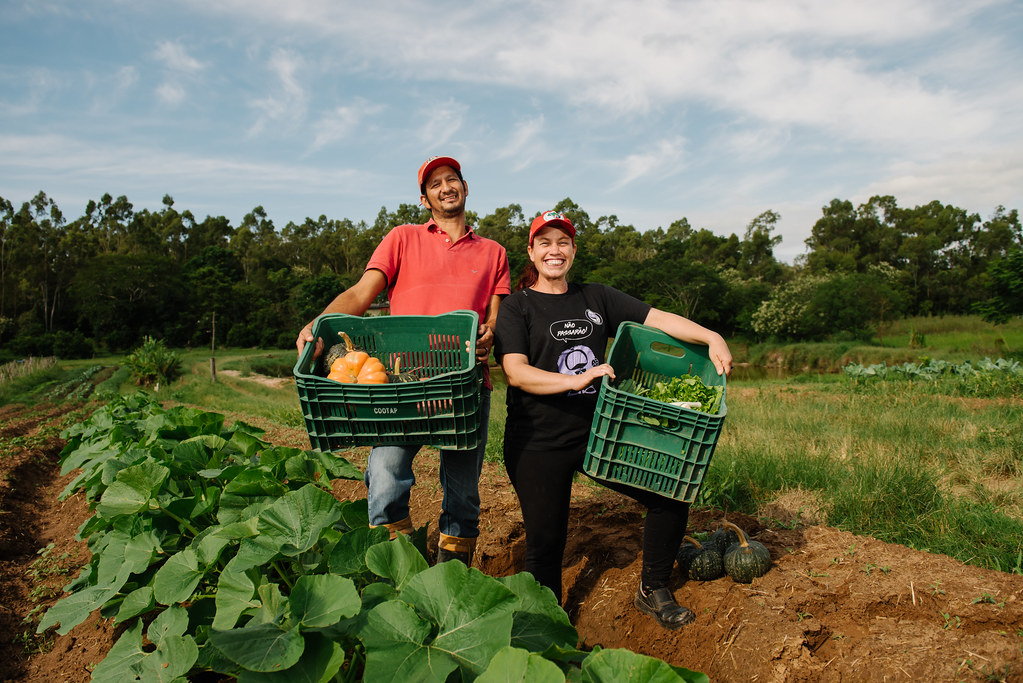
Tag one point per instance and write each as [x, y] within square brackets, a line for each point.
[105, 280]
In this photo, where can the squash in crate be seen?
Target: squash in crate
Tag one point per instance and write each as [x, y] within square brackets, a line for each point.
[356, 367]
[401, 376]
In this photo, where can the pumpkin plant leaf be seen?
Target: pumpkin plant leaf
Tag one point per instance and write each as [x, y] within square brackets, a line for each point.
[396, 650]
[131, 491]
[321, 660]
[472, 613]
[397, 561]
[623, 666]
[139, 601]
[176, 580]
[235, 593]
[260, 647]
[539, 621]
[515, 665]
[322, 600]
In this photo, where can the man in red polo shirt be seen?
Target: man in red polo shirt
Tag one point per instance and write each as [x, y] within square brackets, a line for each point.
[428, 269]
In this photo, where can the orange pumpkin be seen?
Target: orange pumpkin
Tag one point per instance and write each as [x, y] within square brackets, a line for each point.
[357, 367]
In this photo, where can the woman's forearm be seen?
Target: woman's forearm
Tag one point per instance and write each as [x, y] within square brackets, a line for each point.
[520, 374]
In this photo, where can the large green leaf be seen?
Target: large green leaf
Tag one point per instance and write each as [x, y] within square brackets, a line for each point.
[141, 550]
[624, 666]
[131, 491]
[139, 601]
[355, 513]
[173, 656]
[322, 600]
[539, 621]
[321, 660]
[176, 580]
[469, 613]
[87, 456]
[262, 647]
[247, 444]
[190, 456]
[235, 593]
[120, 661]
[338, 467]
[473, 612]
[515, 665]
[396, 646]
[397, 561]
[289, 527]
[349, 553]
[211, 541]
[249, 487]
[300, 467]
[75, 608]
[273, 605]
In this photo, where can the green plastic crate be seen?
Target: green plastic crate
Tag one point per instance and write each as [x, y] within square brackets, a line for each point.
[623, 447]
[442, 409]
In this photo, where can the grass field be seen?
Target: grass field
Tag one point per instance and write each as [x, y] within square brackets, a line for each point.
[905, 462]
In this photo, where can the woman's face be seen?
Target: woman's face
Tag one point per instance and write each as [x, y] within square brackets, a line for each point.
[552, 252]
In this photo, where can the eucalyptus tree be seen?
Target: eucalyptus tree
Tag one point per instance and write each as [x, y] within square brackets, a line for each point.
[933, 240]
[6, 246]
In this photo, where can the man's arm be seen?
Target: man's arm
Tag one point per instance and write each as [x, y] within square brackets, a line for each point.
[485, 335]
[353, 301]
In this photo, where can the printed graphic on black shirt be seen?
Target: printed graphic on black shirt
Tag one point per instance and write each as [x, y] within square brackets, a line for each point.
[575, 361]
[571, 330]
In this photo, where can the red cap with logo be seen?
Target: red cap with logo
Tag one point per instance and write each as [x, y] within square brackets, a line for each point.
[554, 219]
[437, 162]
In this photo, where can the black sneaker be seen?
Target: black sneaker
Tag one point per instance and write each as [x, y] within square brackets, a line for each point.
[660, 604]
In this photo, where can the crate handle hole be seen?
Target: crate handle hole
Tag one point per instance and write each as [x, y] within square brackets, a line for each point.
[668, 349]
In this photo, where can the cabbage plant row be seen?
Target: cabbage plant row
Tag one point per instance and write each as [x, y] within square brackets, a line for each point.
[215, 550]
[985, 377]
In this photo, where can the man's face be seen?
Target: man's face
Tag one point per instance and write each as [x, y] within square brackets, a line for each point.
[444, 193]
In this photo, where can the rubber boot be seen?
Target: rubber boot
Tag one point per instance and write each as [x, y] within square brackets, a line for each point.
[403, 526]
[455, 548]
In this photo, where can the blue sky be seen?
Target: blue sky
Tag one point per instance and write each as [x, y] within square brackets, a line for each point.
[651, 110]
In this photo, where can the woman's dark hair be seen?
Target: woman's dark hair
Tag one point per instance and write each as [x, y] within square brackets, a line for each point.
[528, 277]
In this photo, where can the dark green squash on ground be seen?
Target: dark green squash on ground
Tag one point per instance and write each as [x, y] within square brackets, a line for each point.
[699, 562]
[723, 538]
[746, 560]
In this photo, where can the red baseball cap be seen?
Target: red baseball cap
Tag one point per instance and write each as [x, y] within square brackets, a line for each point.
[552, 218]
[437, 162]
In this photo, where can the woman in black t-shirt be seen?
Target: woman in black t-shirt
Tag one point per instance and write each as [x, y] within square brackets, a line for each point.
[550, 340]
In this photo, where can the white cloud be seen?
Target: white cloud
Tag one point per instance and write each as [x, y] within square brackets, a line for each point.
[342, 123]
[174, 57]
[977, 182]
[287, 102]
[170, 93]
[126, 77]
[525, 145]
[663, 159]
[441, 122]
[89, 168]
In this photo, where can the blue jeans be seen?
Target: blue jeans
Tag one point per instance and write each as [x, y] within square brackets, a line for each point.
[389, 479]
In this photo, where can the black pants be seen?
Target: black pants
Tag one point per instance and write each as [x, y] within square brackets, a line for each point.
[543, 483]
